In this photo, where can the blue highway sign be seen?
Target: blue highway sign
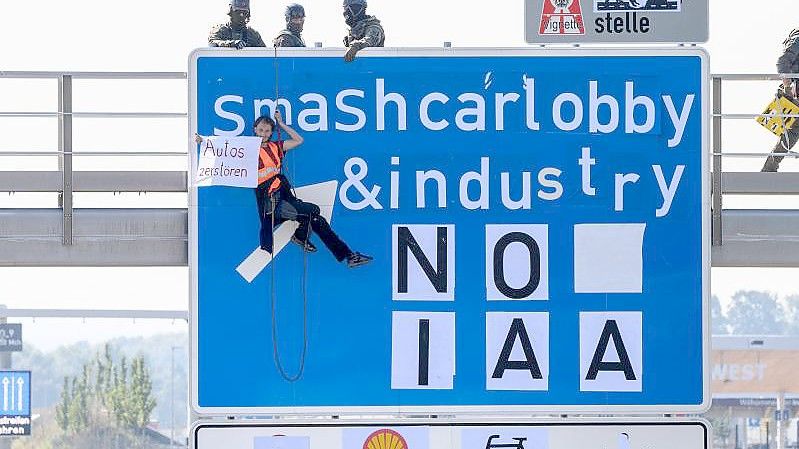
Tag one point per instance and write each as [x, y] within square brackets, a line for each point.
[538, 221]
[15, 414]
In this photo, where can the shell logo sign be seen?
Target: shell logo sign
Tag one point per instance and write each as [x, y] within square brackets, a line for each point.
[385, 439]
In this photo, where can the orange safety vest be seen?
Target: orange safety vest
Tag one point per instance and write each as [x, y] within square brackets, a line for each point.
[270, 160]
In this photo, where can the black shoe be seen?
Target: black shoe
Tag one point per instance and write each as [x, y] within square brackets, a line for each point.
[357, 259]
[307, 245]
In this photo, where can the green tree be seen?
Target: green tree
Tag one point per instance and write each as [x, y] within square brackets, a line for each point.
[103, 381]
[791, 315]
[118, 395]
[141, 399]
[76, 422]
[114, 393]
[62, 409]
[755, 313]
[718, 319]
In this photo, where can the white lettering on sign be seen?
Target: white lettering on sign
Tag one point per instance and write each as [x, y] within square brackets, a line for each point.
[423, 262]
[391, 108]
[517, 262]
[611, 351]
[422, 350]
[474, 186]
[723, 372]
[517, 351]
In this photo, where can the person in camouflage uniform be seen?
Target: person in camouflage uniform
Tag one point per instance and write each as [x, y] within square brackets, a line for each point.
[292, 35]
[786, 64]
[365, 31]
[235, 33]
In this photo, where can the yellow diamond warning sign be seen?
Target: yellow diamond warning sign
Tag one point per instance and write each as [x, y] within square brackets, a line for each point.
[561, 17]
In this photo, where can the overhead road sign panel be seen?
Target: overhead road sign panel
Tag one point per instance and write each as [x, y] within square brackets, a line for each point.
[615, 21]
[538, 221]
[410, 434]
[15, 414]
[10, 337]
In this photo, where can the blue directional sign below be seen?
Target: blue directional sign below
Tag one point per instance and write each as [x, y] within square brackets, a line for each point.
[538, 222]
[15, 415]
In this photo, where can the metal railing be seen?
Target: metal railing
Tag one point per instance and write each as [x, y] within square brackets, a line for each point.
[741, 228]
[741, 183]
[118, 181]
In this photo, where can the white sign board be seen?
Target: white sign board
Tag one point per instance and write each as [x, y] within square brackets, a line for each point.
[228, 161]
[616, 21]
[417, 434]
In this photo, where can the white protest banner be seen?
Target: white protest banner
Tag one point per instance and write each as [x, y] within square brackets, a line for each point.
[228, 161]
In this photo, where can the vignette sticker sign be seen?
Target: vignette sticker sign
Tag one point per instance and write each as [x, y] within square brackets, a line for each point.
[538, 222]
[615, 21]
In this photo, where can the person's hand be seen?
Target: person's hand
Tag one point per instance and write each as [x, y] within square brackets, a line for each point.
[787, 88]
[352, 51]
[278, 117]
[240, 44]
[198, 138]
[790, 90]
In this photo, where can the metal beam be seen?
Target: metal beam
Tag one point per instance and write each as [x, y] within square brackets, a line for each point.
[102, 237]
[95, 181]
[759, 238]
[78, 313]
[95, 75]
[158, 237]
[754, 342]
[760, 183]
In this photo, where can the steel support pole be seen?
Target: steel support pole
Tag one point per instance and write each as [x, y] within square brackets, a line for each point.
[172, 400]
[5, 364]
[779, 422]
[65, 158]
[717, 170]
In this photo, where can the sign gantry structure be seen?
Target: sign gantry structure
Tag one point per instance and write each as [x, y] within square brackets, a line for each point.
[538, 220]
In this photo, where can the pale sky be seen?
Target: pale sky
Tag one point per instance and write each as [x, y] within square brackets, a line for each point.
[150, 35]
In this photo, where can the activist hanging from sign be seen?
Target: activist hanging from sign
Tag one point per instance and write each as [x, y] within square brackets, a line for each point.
[538, 222]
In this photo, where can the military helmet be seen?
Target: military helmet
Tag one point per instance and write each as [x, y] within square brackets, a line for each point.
[354, 2]
[239, 5]
[294, 10]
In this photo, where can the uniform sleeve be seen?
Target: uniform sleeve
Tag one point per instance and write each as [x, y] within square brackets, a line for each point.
[218, 38]
[256, 40]
[373, 36]
[281, 41]
[789, 57]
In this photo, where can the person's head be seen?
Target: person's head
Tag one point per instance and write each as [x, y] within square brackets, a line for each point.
[263, 127]
[295, 18]
[239, 12]
[354, 11]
